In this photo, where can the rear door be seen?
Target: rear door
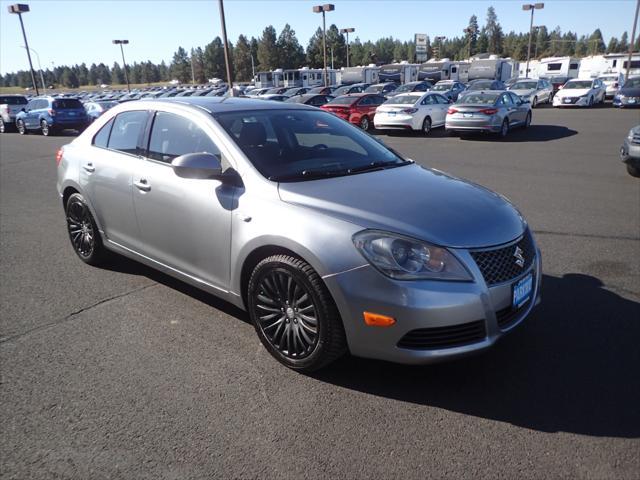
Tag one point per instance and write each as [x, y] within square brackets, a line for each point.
[442, 106]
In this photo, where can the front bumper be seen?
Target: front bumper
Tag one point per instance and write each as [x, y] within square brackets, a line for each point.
[574, 101]
[630, 153]
[624, 101]
[425, 304]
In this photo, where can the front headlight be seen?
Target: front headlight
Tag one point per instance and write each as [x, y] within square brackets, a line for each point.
[404, 258]
[630, 135]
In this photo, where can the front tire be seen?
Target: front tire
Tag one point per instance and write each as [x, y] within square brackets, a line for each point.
[3, 127]
[534, 102]
[45, 128]
[590, 102]
[426, 126]
[22, 130]
[83, 231]
[364, 123]
[527, 121]
[294, 315]
[633, 171]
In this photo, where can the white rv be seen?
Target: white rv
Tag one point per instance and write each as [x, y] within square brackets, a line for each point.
[401, 73]
[533, 72]
[559, 67]
[268, 79]
[351, 75]
[492, 68]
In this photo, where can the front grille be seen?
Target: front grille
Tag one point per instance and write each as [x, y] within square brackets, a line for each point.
[570, 99]
[499, 264]
[507, 316]
[444, 337]
[635, 138]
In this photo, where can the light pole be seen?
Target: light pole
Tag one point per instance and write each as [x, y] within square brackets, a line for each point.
[327, 7]
[633, 39]
[537, 29]
[226, 48]
[347, 31]
[126, 75]
[39, 67]
[436, 41]
[532, 7]
[19, 9]
[470, 32]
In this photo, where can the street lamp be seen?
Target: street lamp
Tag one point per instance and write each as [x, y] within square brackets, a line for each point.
[226, 48]
[19, 9]
[633, 39]
[39, 66]
[347, 31]
[532, 7]
[327, 7]
[537, 30]
[126, 75]
[469, 31]
[435, 41]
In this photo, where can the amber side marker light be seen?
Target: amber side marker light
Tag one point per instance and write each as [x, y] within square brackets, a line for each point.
[377, 320]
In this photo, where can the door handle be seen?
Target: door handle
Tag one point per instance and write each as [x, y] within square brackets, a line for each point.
[142, 185]
[89, 167]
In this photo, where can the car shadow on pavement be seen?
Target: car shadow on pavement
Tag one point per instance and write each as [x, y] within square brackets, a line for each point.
[535, 133]
[572, 366]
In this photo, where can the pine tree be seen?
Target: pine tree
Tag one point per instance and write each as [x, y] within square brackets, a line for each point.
[472, 35]
[315, 58]
[268, 56]
[180, 66]
[623, 44]
[117, 74]
[596, 42]
[242, 60]
[290, 51]
[197, 59]
[213, 59]
[613, 45]
[336, 41]
[494, 32]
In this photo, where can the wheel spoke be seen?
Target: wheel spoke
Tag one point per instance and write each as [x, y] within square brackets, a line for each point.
[268, 309]
[311, 320]
[280, 321]
[267, 300]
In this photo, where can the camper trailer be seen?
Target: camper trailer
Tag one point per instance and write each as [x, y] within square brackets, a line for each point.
[533, 72]
[307, 77]
[351, 75]
[559, 67]
[492, 69]
[400, 73]
[268, 79]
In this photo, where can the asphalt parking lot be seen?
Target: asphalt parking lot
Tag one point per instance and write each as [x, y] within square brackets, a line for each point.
[126, 373]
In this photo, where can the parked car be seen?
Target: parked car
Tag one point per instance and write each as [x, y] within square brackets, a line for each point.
[347, 89]
[421, 86]
[412, 111]
[256, 92]
[331, 241]
[449, 88]
[95, 109]
[534, 90]
[557, 82]
[274, 97]
[488, 111]
[481, 84]
[323, 90]
[612, 82]
[630, 151]
[629, 94]
[276, 91]
[580, 93]
[382, 88]
[315, 100]
[51, 115]
[292, 92]
[10, 106]
[356, 108]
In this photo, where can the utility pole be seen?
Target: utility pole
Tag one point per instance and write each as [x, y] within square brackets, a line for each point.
[19, 9]
[633, 39]
[226, 47]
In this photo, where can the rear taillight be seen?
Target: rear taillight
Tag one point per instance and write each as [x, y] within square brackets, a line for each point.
[560, 87]
[451, 111]
[489, 111]
[52, 112]
[410, 110]
[59, 156]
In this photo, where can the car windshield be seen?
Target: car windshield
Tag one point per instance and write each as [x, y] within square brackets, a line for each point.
[633, 83]
[524, 85]
[402, 100]
[344, 100]
[298, 145]
[442, 87]
[375, 88]
[479, 98]
[577, 85]
[67, 103]
[107, 105]
[480, 85]
[291, 91]
[406, 88]
[341, 91]
[13, 101]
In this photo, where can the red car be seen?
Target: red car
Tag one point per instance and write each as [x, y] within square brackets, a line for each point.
[357, 108]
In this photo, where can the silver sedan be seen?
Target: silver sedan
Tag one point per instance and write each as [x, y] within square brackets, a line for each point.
[488, 112]
[331, 241]
[534, 91]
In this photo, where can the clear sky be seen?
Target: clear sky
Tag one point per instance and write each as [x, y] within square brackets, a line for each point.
[70, 32]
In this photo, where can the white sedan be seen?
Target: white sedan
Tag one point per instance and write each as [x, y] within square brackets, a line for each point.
[580, 93]
[412, 111]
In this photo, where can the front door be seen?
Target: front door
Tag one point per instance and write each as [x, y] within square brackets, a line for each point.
[184, 223]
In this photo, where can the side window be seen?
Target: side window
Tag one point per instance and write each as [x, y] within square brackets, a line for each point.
[379, 100]
[126, 131]
[506, 99]
[101, 139]
[365, 101]
[428, 100]
[173, 135]
[442, 99]
[514, 98]
[421, 87]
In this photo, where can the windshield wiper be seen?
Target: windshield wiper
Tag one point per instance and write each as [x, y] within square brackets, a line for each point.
[379, 166]
[309, 175]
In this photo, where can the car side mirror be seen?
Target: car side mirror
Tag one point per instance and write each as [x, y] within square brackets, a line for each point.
[197, 165]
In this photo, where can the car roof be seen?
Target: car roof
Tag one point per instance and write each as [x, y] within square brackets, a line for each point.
[227, 104]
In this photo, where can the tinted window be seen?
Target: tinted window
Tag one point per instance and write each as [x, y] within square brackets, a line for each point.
[13, 101]
[67, 103]
[101, 138]
[126, 131]
[173, 135]
[366, 101]
[429, 100]
[514, 98]
[554, 66]
[506, 99]
[441, 99]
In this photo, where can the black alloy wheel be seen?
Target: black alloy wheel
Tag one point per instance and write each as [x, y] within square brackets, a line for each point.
[294, 314]
[364, 123]
[83, 231]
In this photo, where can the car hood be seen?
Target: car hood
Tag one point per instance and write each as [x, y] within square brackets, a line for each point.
[524, 92]
[414, 201]
[572, 92]
[630, 92]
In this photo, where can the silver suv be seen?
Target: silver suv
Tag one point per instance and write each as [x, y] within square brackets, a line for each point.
[331, 241]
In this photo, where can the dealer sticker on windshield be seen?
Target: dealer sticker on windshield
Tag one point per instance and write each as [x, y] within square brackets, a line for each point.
[522, 291]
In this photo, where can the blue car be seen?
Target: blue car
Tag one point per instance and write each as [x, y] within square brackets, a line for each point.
[51, 115]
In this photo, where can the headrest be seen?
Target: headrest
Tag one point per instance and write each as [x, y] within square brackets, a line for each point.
[253, 134]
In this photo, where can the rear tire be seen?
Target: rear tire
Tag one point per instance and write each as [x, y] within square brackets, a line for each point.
[527, 120]
[590, 102]
[22, 130]
[83, 231]
[3, 126]
[364, 123]
[294, 315]
[504, 128]
[47, 130]
[534, 102]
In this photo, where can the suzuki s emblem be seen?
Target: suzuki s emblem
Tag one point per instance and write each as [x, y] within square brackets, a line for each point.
[519, 257]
